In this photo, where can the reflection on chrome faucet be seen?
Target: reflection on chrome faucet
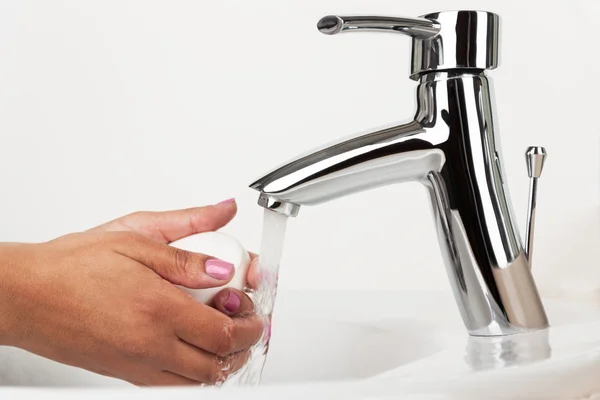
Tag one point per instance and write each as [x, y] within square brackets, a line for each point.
[486, 353]
[451, 147]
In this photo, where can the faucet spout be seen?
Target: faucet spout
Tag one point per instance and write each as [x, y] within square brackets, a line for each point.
[278, 206]
[395, 154]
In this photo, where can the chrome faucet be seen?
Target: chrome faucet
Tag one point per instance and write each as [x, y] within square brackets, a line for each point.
[451, 146]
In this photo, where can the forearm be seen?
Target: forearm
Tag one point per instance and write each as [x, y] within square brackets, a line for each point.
[12, 266]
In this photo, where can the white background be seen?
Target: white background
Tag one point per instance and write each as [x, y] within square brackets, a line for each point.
[109, 107]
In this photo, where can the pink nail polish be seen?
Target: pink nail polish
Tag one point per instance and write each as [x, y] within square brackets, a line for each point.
[233, 302]
[218, 269]
[231, 200]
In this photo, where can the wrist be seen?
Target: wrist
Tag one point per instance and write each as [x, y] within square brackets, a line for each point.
[13, 260]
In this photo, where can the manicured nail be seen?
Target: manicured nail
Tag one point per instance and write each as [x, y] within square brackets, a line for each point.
[231, 200]
[219, 269]
[233, 302]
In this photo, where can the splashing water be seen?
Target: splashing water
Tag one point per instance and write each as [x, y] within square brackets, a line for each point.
[273, 237]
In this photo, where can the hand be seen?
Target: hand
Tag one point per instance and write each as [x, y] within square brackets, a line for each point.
[104, 300]
[167, 227]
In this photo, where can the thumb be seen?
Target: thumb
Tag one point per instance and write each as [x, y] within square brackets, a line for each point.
[180, 267]
[233, 303]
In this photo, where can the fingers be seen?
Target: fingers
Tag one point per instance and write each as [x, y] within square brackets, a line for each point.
[166, 378]
[215, 332]
[234, 303]
[169, 226]
[181, 267]
[192, 363]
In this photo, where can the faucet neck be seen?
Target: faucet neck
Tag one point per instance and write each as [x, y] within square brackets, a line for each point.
[454, 73]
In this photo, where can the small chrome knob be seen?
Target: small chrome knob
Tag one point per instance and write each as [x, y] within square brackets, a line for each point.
[535, 157]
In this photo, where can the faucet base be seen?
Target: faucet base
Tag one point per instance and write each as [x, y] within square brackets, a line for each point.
[494, 299]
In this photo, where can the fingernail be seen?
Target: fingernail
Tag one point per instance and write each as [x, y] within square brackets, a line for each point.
[218, 269]
[231, 200]
[233, 302]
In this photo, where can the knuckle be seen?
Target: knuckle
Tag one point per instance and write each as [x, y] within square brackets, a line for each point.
[136, 215]
[187, 264]
[226, 339]
[181, 260]
[142, 344]
[76, 242]
[125, 237]
[148, 306]
[138, 350]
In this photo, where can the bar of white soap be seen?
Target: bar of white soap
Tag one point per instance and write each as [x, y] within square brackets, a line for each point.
[221, 246]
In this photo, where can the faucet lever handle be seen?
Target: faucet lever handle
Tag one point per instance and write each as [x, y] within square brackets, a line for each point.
[441, 41]
[421, 28]
[535, 157]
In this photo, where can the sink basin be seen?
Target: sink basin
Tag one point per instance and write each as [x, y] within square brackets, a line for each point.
[336, 351]
[562, 362]
[379, 345]
[316, 338]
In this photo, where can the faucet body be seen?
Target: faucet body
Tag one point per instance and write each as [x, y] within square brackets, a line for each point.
[451, 147]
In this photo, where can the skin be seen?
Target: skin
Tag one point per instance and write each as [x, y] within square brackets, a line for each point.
[104, 300]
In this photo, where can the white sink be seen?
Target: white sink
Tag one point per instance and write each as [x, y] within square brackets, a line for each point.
[317, 338]
[380, 344]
